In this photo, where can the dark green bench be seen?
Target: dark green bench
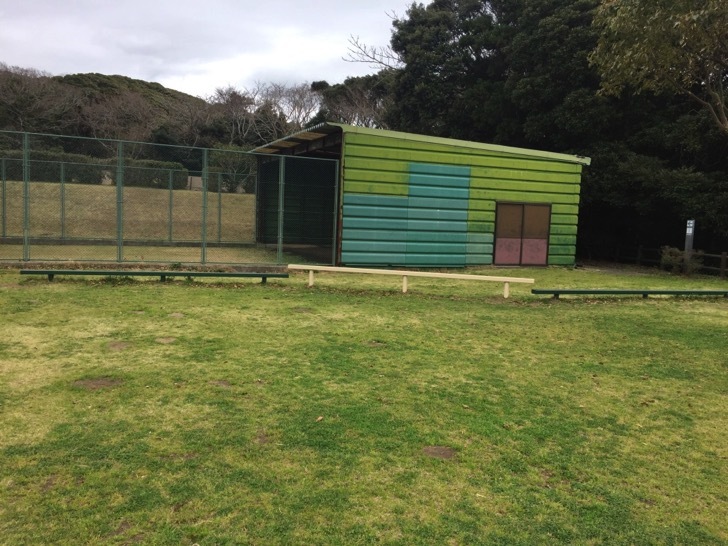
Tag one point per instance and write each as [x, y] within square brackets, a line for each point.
[556, 292]
[264, 276]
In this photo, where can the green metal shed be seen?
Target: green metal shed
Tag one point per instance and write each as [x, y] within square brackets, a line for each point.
[400, 199]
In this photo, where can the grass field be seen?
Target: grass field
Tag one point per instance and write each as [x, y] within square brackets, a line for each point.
[135, 412]
[90, 212]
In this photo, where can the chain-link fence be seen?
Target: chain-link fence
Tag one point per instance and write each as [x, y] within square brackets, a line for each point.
[93, 200]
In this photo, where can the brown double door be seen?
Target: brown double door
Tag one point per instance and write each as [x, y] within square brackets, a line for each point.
[522, 234]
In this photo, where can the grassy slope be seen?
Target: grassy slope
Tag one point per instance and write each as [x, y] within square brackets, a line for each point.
[238, 413]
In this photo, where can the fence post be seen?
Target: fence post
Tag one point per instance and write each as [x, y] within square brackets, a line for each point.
[203, 256]
[723, 263]
[120, 201]
[26, 197]
[219, 207]
[5, 208]
[63, 200]
[171, 204]
[336, 212]
[281, 189]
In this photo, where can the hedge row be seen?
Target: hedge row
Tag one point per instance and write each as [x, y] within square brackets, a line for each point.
[47, 166]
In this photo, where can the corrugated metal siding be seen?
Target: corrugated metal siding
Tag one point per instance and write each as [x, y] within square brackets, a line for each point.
[416, 203]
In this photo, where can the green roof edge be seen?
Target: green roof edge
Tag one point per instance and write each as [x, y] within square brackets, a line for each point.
[583, 160]
[524, 152]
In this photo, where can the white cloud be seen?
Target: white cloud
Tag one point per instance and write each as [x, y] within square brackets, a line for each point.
[194, 46]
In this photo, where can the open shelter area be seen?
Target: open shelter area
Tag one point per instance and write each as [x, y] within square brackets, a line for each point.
[225, 411]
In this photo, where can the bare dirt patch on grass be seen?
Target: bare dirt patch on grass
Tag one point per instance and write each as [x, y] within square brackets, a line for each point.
[439, 452]
[166, 340]
[98, 383]
[118, 346]
[176, 315]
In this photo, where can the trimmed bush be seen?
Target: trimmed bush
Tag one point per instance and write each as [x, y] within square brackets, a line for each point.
[52, 166]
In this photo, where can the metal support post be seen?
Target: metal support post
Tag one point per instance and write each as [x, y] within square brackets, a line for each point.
[281, 189]
[203, 256]
[120, 202]
[335, 233]
[171, 204]
[63, 201]
[3, 177]
[26, 197]
[219, 207]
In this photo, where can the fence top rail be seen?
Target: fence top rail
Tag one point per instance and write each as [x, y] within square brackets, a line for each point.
[405, 273]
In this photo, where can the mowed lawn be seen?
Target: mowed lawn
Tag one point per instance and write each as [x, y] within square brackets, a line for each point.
[349, 413]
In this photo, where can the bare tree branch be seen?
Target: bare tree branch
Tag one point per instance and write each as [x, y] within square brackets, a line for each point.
[375, 57]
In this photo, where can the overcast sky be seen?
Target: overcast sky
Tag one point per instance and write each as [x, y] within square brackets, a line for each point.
[195, 46]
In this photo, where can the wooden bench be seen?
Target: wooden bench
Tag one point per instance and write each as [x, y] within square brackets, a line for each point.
[556, 292]
[405, 274]
[51, 273]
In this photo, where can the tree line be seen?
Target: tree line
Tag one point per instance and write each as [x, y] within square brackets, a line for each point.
[639, 87]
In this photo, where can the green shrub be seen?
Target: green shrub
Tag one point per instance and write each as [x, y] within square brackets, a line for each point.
[673, 259]
[54, 166]
[146, 173]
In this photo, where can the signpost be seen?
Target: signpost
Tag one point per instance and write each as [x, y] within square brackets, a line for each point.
[689, 234]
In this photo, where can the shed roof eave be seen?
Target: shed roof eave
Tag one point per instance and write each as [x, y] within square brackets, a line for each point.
[329, 127]
[465, 144]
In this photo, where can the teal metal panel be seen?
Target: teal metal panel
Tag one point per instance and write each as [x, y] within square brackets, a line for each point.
[435, 260]
[373, 234]
[438, 214]
[373, 258]
[375, 223]
[437, 237]
[437, 229]
[362, 211]
[436, 225]
[372, 246]
[459, 194]
[374, 200]
[436, 203]
[461, 173]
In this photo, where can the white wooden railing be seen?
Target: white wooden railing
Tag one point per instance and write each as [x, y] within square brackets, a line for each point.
[405, 274]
